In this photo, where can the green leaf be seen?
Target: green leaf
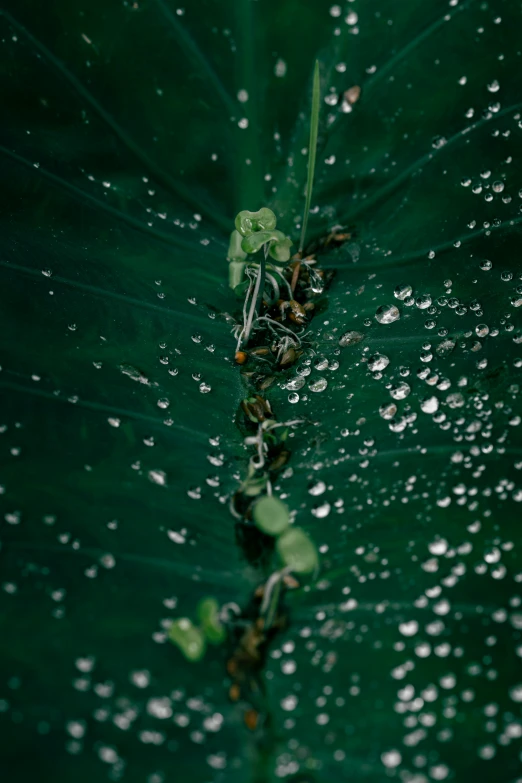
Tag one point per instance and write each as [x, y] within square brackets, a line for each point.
[254, 242]
[188, 638]
[312, 151]
[271, 515]
[208, 613]
[132, 135]
[297, 551]
[280, 251]
[247, 223]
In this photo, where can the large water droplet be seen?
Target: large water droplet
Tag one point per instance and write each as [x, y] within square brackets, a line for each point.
[351, 338]
[296, 383]
[318, 385]
[430, 404]
[402, 291]
[400, 390]
[387, 314]
[423, 301]
[378, 362]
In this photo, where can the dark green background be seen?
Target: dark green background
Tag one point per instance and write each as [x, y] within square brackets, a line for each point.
[111, 113]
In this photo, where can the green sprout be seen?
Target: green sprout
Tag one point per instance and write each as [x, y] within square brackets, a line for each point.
[192, 639]
[255, 231]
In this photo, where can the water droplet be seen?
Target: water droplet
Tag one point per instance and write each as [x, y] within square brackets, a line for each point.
[351, 338]
[318, 385]
[486, 265]
[204, 388]
[400, 391]
[378, 362]
[321, 511]
[387, 314]
[296, 383]
[423, 301]
[317, 489]
[293, 398]
[178, 538]
[438, 142]
[158, 477]
[163, 402]
[445, 347]
[481, 330]
[494, 86]
[430, 404]
[391, 759]
[388, 410]
[402, 291]
[455, 400]
[321, 364]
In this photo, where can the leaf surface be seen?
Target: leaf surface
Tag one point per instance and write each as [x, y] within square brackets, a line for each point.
[126, 150]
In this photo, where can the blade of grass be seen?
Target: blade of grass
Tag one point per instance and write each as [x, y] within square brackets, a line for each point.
[312, 149]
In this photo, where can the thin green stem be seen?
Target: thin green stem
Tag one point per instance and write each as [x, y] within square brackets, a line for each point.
[312, 150]
[258, 289]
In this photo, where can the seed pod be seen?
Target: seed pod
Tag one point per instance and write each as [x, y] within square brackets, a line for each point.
[257, 409]
[297, 309]
[263, 350]
[296, 319]
[234, 692]
[288, 358]
[267, 381]
[352, 95]
[240, 357]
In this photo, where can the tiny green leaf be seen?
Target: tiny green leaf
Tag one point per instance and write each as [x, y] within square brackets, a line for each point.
[248, 223]
[208, 613]
[235, 251]
[271, 515]
[188, 638]
[298, 551]
[280, 251]
[255, 242]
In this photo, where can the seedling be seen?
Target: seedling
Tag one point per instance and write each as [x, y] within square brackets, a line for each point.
[256, 231]
[192, 639]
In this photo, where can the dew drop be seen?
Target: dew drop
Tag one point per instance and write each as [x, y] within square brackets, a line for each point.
[423, 301]
[351, 338]
[388, 410]
[387, 314]
[430, 404]
[402, 291]
[318, 385]
[400, 391]
[378, 362]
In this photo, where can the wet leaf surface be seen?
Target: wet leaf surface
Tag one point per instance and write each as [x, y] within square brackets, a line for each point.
[132, 135]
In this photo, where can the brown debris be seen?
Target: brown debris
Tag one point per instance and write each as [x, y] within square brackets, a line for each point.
[352, 94]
